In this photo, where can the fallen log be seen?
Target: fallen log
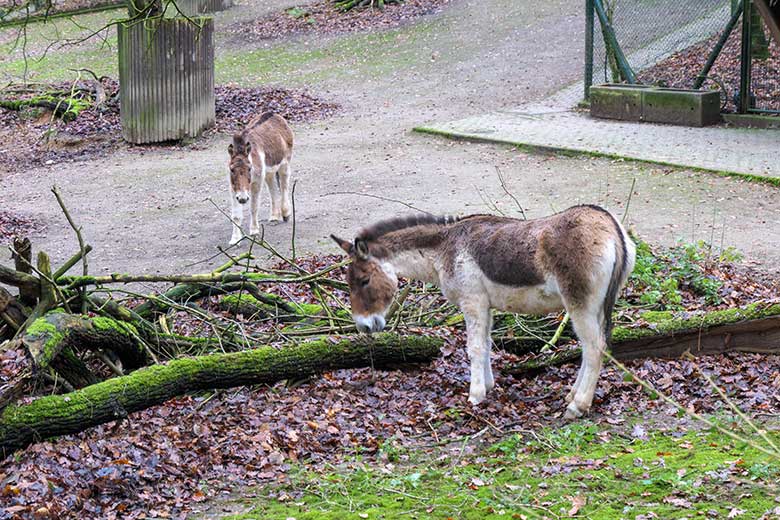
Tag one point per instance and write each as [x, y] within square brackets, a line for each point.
[21, 425]
[754, 328]
[58, 331]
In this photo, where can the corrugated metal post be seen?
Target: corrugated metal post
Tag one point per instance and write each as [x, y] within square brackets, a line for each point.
[166, 78]
[589, 15]
[196, 7]
[745, 62]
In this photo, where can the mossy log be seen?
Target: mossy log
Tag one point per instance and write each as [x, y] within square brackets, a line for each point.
[187, 292]
[21, 425]
[346, 5]
[753, 328]
[260, 305]
[47, 336]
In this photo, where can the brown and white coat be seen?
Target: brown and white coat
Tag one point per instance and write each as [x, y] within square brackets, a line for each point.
[576, 260]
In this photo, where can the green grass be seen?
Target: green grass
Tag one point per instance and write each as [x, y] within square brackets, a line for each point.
[693, 474]
[363, 55]
[54, 64]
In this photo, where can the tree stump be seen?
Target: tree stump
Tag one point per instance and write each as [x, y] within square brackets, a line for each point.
[166, 78]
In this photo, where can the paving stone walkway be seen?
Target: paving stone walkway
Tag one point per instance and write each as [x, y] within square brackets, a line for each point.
[725, 150]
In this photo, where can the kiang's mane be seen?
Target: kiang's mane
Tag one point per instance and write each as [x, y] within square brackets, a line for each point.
[395, 224]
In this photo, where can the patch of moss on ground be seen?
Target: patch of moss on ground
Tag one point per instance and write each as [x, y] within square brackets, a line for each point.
[671, 476]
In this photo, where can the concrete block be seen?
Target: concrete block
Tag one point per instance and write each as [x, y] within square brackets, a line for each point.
[656, 104]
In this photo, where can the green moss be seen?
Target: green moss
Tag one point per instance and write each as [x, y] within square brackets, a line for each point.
[45, 331]
[538, 476]
[656, 316]
[105, 324]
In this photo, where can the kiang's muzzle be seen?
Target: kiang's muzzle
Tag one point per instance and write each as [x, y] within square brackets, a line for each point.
[369, 324]
[242, 197]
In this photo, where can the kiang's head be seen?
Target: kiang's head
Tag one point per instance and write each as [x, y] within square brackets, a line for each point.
[372, 285]
[240, 167]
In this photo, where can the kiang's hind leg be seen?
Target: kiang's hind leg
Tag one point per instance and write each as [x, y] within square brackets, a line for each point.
[590, 331]
[476, 313]
[284, 184]
[273, 192]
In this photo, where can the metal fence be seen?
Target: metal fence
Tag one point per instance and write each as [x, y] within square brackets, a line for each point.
[668, 43]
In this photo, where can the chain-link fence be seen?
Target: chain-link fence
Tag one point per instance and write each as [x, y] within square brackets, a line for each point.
[668, 43]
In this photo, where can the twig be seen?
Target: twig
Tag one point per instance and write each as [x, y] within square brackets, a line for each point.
[647, 386]
[380, 197]
[506, 190]
[551, 344]
[628, 202]
[79, 237]
[292, 238]
[736, 409]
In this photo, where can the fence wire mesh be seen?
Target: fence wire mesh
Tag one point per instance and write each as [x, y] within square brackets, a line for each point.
[667, 42]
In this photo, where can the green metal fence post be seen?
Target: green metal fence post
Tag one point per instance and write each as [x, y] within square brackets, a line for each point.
[589, 14]
[718, 47]
[611, 40]
[745, 62]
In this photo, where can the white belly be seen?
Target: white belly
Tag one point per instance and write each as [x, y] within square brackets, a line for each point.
[534, 299]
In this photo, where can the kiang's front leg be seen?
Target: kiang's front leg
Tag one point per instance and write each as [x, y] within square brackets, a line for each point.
[477, 316]
[236, 215]
[254, 205]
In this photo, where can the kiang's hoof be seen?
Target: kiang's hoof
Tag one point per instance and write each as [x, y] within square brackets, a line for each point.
[476, 398]
[572, 412]
[286, 218]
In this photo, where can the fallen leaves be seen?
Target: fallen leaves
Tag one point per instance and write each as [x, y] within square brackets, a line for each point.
[323, 18]
[577, 503]
[97, 130]
[681, 69]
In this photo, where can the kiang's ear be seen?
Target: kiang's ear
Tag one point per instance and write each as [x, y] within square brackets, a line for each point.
[343, 244]
[361, 248]
[230, 150]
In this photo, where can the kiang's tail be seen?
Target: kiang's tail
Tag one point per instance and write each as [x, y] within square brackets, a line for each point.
[623, 252]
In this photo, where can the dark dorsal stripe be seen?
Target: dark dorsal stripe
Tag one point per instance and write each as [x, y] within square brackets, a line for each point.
[395, 224]
[265, 116]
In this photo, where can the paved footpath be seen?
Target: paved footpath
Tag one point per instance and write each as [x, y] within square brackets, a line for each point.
[725, 150]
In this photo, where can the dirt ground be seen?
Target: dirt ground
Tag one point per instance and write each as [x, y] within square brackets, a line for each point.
[147, 212]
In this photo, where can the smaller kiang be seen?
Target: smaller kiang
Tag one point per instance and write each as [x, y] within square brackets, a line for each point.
[261, 152]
